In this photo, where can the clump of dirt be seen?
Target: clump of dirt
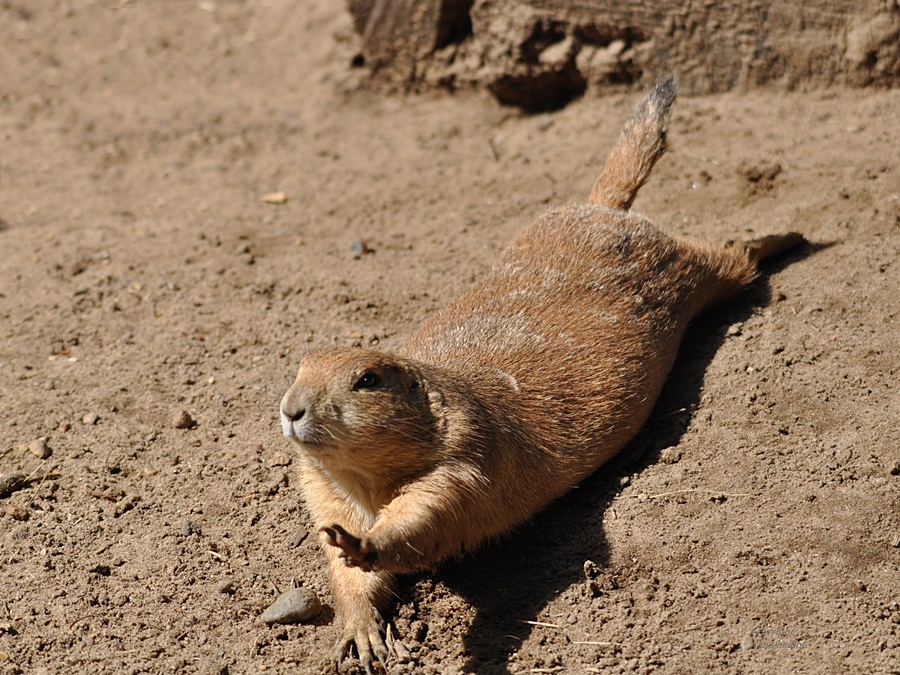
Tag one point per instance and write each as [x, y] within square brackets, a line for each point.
[760, 177]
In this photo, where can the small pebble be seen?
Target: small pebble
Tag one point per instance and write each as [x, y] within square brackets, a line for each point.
[280, 459]
[183, 420]
[360, 248]
[298, 604]
[212, 666]
[226, 586]
[100, 570]
[275, 198]
[189, 527]
[11, 483]
[17, 512]
[39, 448]
[670, 455]
[298, 537]
[91, 419]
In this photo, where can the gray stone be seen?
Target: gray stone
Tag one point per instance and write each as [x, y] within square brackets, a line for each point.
[294, 606]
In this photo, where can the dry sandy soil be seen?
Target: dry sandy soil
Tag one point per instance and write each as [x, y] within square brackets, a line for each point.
[753, 527]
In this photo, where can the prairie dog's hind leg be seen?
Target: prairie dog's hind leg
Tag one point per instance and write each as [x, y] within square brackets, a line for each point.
[770, 245]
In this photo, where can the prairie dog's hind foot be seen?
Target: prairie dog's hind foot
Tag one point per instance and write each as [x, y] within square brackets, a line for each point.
[770, 245]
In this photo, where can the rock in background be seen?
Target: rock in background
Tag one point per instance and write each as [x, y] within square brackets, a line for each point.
[541, 54]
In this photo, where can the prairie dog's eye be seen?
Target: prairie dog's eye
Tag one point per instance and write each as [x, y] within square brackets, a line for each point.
[368, 380]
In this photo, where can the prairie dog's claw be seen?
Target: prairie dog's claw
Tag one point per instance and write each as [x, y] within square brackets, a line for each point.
[354, 551]
[370, 647]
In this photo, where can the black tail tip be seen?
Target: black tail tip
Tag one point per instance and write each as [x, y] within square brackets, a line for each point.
[665, 90]
[657, 103]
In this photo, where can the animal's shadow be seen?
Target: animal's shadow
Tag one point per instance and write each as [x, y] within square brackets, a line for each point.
[510, 581]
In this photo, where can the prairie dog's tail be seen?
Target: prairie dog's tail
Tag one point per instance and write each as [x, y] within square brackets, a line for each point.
[641, 144]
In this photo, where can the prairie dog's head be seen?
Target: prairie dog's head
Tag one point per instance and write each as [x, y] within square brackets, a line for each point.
[361, 411]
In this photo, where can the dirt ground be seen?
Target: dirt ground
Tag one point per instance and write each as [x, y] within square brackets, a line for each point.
[753, 527]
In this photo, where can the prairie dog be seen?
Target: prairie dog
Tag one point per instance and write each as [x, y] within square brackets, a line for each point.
[510, 395]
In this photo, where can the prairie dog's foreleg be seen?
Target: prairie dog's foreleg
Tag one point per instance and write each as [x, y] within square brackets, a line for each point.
[358, 596]
[429, 521]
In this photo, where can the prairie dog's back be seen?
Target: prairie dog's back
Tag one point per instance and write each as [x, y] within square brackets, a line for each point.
[583, 314]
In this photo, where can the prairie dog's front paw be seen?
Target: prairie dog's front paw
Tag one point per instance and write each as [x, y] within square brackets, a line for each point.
[355, 552]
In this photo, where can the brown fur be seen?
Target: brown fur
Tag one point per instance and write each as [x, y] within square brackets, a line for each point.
[510, 395]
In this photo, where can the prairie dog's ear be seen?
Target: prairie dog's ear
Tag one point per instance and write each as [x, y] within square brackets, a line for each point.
[415, 378]
[436, 399]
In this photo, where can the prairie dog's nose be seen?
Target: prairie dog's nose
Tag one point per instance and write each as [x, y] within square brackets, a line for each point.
[293, 414]
[295, 404]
